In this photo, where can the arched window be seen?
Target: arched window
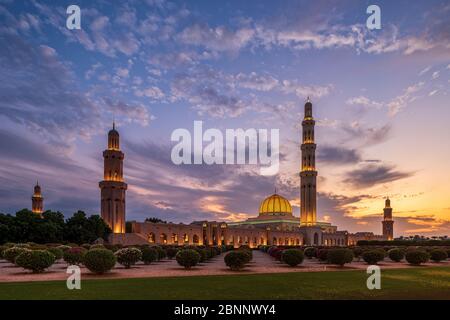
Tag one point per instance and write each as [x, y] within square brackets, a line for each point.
[163, 238]
[151, 237]
[274, 241]
[174, 238]
[195, 239]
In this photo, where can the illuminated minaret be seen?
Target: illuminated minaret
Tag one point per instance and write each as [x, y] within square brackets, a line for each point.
[112, 187]
[37, 201]
[388, 222]
[308, 173]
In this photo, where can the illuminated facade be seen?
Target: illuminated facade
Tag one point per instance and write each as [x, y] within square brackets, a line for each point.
[274, 225]
[113, 187]
[37, 201]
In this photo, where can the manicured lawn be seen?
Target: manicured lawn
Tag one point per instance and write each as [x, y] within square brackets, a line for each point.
[415, 283]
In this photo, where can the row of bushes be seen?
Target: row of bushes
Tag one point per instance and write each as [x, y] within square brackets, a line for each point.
[341, 256]
[424, 243]
[99, 259]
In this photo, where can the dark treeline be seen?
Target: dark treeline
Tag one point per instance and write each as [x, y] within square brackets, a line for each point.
[26, 226]
[404, 243]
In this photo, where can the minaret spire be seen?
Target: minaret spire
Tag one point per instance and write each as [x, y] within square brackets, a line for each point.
[308, 173]
[388, 222]
[113, 186]
[37, 201]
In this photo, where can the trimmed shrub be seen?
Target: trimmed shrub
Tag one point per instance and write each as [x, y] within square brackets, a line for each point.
[310, 252]
[58, 253]
[149, 255]
[2, 248]
[187, 258]
[236, 260]
[373, 256]
[12, 253]
[322, 254]
[275, 252]
[437, 255]
[97, 246]
[128, 256]
[74, 255]
[23, 245]
[64, 248]
[36, 260]
[203, 254]
[417, 257]
[396, 254]
[270, 249]
[357, 252]
[99, 260]
[161, 252]
[292, 257]
[38, 247]
[9, 244]
[113, 247]
[340, 256]
[87, 246]
[229, 247]
[171, 253]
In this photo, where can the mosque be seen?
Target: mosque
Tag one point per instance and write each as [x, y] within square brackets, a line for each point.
[274, 225]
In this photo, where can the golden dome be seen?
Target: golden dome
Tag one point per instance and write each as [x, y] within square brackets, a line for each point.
[275, 205]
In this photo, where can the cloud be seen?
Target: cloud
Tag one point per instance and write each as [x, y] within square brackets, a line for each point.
[150, 92]
[367, 136]
[302, 91]
[408, 96]
[255, 81]
[209, 92]
[38, 91]
[424, 70]
[363, 101]
[218, 38]
[129, 113]
[337, 155]
[369, 175]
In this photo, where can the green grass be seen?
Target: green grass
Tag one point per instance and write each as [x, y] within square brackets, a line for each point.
[415, 283]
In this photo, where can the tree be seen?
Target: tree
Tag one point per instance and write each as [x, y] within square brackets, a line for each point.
[80, 229]
[155, 220]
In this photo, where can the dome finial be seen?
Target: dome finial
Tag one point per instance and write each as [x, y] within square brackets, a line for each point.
[308, 100]
[114, 123]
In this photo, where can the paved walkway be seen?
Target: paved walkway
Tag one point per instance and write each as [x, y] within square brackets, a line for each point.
[262, 263]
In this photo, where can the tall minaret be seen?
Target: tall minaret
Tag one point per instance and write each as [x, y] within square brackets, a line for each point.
[388, 222]
[308, 173]
[37, 201]
[112, 187]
